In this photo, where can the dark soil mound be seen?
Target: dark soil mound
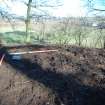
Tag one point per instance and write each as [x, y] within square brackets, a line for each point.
[71, 76]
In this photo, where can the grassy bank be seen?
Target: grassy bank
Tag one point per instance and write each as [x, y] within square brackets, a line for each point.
[83, 36]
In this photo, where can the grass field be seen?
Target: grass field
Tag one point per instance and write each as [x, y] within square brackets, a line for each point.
[54, 34]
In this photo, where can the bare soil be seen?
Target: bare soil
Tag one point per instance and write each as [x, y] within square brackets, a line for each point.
[71, 76]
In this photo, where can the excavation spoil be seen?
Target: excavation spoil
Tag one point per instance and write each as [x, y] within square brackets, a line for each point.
[70, 76]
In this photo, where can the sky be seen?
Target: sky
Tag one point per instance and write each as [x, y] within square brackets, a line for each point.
[69, 8]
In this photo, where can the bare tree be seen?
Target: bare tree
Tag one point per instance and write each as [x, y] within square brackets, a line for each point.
[33, 6]
[27, 22]
[100, 10]
[37, 6]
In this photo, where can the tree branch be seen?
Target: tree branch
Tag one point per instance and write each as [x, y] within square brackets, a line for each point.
[96, 9]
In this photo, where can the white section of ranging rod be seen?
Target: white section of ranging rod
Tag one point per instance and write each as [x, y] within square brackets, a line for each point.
[31, 52]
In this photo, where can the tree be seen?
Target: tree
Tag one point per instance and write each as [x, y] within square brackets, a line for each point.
[27, 22]
[4, 14]
[31, 5]
[98, 6]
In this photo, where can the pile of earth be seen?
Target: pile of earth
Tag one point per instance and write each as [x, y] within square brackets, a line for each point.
[70, 76]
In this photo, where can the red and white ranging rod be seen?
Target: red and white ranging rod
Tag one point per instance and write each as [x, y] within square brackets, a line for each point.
[31, 52]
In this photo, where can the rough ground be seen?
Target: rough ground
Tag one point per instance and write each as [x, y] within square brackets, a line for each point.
[72, 76]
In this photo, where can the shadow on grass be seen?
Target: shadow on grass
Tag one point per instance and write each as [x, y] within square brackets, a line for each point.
[19, 37]
[69, 90]
[17, 33]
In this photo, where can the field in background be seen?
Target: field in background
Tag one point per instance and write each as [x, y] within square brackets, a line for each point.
[52, 33]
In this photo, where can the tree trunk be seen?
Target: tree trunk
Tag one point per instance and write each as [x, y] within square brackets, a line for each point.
[28, 20]
[104, 42]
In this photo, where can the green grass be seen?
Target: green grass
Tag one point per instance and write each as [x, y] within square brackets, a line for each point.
[89, 37]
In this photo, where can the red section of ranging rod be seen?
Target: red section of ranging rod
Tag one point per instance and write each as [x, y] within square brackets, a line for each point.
[2, 58]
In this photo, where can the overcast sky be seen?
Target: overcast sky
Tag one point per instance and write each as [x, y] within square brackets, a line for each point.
[69, 8]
